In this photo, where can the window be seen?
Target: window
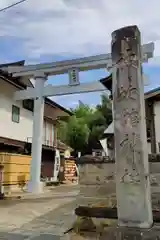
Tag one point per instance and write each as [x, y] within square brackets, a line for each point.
[28, 104]
[15, 114]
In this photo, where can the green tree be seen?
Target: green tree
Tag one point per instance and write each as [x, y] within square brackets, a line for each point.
[99, 121]
[77, 134]
[105, 107]
[86, 127]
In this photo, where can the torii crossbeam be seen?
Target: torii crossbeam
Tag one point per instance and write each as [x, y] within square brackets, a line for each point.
[40, 72]
[56, 68]
[82, 64]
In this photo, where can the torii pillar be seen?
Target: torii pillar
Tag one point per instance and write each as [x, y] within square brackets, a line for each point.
[35, 185]
[132, 170]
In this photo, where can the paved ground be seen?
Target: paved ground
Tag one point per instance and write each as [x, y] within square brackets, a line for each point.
[42, 218]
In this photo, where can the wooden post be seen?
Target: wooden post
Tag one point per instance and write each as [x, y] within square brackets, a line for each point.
[132, 173]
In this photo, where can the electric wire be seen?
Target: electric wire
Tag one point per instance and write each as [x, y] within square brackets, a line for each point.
[12, 5]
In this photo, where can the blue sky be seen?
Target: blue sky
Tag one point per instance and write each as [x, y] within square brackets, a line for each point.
[53, 30]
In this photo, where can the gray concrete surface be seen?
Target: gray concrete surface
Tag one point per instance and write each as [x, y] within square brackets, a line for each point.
[42, 218]
[47, 217]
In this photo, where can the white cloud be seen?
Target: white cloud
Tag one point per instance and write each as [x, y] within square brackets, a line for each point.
[77, 27]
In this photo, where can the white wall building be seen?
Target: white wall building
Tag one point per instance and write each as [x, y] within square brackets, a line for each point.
[16, 119]
[152, 100]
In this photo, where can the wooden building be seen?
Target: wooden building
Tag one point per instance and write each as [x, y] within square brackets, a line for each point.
[16, 120]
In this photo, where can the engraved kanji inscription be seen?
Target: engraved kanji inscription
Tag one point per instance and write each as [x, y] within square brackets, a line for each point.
[128, 56]
[126, 92]
[130, 146]
[130, 117]
[132, 177]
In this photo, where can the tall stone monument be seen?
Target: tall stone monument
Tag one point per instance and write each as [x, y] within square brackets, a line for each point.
[132, 173]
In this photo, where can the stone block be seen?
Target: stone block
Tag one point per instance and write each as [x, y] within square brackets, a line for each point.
[97, 183]
[96, 173]
[98, 191]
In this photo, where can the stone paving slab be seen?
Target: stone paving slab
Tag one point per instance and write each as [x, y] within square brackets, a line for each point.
[24, 223]
[42, 218]
[46, 237]
[11, 236]
[57, 221]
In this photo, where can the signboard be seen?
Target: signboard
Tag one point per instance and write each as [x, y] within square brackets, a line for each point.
[56, 166]
[73, 77]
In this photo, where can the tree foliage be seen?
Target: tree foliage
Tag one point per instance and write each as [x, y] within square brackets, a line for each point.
[85, 128]
[77, 134]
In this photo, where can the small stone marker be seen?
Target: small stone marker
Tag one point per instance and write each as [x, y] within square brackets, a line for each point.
[132, 173]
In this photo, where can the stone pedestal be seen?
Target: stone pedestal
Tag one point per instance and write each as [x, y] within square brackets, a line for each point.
[122, 233]
[97, 189]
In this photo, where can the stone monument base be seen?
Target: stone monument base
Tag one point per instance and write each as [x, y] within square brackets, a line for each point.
[121, 233]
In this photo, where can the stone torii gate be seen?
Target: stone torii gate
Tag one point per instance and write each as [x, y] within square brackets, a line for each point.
[40, 72]
[132, 176]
